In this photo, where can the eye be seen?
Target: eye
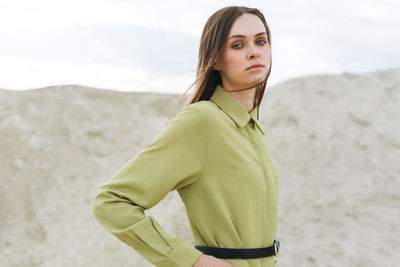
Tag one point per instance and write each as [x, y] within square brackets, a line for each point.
[235, 45]
[264, 42]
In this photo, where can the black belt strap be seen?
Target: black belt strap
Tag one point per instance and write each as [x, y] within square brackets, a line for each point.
[241, 253]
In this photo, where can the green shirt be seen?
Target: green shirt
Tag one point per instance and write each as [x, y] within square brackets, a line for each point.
[215, 154]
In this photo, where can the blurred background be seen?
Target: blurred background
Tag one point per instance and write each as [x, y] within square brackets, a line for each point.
[145, 45]
[85, 85]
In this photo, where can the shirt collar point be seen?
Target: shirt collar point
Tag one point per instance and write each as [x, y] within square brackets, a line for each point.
[230, 106]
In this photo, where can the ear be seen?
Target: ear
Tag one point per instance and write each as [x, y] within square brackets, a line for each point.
[215, 66]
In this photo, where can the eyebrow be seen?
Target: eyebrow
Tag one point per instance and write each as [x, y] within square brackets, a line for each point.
[243, 36]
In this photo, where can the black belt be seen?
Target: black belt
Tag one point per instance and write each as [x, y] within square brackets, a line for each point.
[241, 253]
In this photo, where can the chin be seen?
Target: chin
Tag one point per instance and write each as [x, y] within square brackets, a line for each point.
[258, 79]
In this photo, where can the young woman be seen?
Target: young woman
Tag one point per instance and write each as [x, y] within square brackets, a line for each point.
[214, 153]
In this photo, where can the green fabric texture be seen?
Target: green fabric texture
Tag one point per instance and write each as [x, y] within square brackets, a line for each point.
[215, 154]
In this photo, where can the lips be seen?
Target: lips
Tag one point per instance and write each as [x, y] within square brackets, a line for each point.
[255, 66]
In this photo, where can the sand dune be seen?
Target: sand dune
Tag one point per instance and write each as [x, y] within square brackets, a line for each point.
[335, 139]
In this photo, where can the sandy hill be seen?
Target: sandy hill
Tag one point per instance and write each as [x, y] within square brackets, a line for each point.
[335, 138]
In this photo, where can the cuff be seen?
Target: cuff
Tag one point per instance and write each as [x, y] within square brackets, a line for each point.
[183, 255]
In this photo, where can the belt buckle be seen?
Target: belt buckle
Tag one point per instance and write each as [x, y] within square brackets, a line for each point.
[276, 247]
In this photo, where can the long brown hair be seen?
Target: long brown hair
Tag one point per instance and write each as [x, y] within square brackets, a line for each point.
[212, 42]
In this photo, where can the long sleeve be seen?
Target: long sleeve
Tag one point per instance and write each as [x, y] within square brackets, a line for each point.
[174, 159]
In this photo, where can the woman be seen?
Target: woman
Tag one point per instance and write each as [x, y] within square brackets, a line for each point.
[214, 153]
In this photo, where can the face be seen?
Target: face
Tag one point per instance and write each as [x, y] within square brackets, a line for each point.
[240, 53]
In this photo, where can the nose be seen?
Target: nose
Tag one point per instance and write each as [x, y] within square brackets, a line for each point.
[254, 52]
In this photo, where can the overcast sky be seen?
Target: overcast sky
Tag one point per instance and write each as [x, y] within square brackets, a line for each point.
[133, 45]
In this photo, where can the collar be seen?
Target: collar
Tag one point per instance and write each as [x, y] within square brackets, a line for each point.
[234, 109]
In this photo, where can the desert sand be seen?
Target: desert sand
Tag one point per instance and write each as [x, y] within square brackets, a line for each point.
[335, 139]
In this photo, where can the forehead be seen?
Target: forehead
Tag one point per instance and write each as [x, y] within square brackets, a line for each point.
[247, 24]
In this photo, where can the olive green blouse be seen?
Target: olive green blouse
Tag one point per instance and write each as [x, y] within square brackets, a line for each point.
[215, 154]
